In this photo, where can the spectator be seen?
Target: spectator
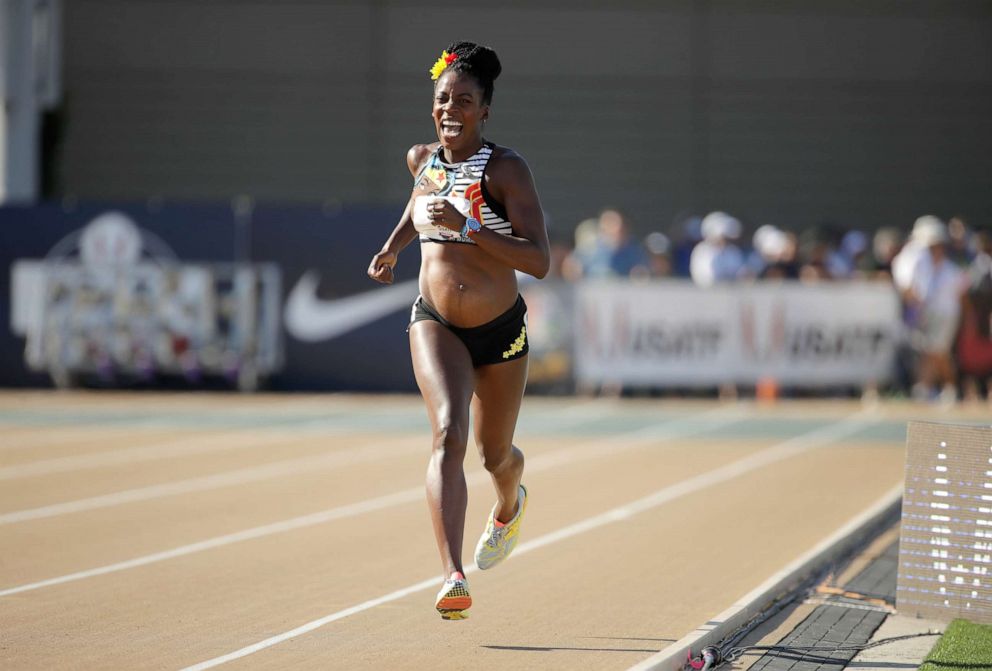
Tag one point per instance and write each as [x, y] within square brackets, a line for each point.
[717, 258]
[933, 305]
[586, 239]
[904, 262]
[884, 247]
[820, 258]
[773, 255]
[615, 253]
[755, 259]
[786, 266]
[854, 252]
[688, 233]
[975, 337]
[960, 248]
[658, 248]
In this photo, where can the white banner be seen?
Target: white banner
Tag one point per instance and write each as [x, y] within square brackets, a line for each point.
[672, 333]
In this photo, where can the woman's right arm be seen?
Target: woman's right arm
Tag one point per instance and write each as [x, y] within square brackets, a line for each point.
[381, 267]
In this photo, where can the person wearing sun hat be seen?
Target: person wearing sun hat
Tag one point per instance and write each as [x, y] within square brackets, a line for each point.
[717, 258]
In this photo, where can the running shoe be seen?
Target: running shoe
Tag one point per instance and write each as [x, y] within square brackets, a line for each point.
[453, 599]
[498, 540]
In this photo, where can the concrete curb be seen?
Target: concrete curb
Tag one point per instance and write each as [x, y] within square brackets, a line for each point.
[673, 658]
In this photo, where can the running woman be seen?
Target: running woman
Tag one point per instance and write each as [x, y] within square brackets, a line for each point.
[476, 212]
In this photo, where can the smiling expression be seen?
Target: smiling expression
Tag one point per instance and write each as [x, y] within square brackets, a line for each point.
[459, 113]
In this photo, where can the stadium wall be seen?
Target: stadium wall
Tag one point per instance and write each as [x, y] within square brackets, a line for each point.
[789, 113]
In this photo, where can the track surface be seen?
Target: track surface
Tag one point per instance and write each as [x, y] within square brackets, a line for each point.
[167, 531]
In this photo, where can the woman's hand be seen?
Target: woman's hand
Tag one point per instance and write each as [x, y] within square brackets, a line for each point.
[381, 268]
[442, 213]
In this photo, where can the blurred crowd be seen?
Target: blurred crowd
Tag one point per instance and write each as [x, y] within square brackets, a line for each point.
[941, 270]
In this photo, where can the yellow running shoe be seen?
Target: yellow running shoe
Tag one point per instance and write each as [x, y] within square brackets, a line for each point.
[498, 540]
[453, 599]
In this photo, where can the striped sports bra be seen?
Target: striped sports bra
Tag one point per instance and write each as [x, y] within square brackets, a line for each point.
[464, 185]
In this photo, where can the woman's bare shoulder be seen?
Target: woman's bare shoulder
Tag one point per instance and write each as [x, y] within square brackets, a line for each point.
[417, 156]
[506, 163]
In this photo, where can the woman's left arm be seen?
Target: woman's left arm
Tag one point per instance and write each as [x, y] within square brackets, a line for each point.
[527, 248]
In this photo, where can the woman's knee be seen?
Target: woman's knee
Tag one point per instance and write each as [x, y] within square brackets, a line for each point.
[450, 440]
[499, 458]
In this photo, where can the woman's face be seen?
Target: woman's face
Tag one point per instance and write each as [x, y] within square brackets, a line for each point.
[459, 112]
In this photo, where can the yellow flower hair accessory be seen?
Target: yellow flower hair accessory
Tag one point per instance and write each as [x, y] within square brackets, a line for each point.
[443, 62]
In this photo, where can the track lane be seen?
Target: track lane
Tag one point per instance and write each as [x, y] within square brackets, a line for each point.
[273, 580]
[186, 609]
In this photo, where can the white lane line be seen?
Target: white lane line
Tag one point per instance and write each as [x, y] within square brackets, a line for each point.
[373, 452]
[196, 425]
[644, 437]
[583, 409]
[40, 436]
[192, 444]
[793, 446]
[340, 512]
[240, 476]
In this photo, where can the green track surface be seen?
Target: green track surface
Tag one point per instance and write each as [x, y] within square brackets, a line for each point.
[964, 646]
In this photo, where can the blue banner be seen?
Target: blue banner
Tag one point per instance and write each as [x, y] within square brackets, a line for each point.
[342, 330]
[270, 295]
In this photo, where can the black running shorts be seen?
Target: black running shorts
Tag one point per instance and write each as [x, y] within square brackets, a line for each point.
[502, 339]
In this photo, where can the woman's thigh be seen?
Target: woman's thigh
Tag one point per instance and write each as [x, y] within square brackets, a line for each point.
[499, 390]
[444, 373]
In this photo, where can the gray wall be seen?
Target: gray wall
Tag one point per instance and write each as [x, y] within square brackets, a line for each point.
[866, 113]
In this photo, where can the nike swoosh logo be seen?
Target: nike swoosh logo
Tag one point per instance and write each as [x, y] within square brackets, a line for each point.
[311, 319]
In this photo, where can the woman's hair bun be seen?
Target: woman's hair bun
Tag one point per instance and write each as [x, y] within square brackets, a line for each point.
[479, 61]
[479, 58]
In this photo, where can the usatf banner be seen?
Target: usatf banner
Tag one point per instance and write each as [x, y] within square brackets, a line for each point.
[672, 333]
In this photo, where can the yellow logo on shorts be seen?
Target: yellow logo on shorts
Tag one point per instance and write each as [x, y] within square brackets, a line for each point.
[518, 344]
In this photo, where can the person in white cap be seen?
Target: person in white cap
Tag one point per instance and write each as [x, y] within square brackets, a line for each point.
[904, 263]
[932, 294]
[717, 258]
[773, 254]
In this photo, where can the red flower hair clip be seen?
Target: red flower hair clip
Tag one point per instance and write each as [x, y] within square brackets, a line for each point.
[443, 62]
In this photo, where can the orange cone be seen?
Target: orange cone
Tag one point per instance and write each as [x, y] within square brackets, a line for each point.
[766, 389]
